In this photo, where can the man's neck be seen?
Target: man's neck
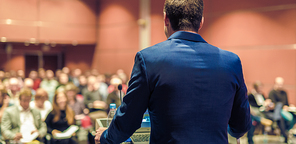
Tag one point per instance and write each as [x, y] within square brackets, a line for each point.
[181, 30]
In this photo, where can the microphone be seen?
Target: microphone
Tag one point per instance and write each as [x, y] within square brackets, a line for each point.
[120, 88]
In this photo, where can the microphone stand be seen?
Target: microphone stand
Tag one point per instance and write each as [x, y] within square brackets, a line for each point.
[120, 94]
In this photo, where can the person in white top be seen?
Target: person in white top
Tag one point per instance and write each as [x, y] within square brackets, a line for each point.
[41, 103]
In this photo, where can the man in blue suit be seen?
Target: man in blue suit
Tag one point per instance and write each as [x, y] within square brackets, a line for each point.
[194, 92]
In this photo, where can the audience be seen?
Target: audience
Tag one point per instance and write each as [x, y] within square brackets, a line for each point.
[82, 83]
[60, 118]
[13, 91]
[41, 73]
[41, 103]
[57, 74]
[75, 76]
[20, 74]
[114, 96]
[19, 122]
[79, 97]
[77, 106]
[279, 96]
[92, 98]
[49, 84]
[34, 76]
[29, 83]
[4, 101]
[260, 107]
[2, 75]
[63, 80]
[102, 87]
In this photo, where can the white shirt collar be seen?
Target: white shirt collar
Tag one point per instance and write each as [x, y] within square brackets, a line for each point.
[22, 109]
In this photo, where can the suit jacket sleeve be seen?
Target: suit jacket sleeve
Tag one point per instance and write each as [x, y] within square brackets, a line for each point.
[129, 115]
[240, 120]
[41, 126]
[6, 125]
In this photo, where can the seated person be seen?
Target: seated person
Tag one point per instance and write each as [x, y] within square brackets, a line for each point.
[13, 91]
[258, 107]
[4, 102]
[279, 96]
[114, 96]
[63, 80]
[76, 105]
[257, 100]
[49, 84]
[41, 103]
[19, 122]
[80, 111]
[92, 98]
[60, 118]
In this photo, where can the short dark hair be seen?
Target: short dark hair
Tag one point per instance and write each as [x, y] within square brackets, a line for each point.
[184, 14]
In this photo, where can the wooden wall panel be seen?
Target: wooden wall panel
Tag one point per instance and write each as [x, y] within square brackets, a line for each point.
[118, 35]
[157, 25]
[48, 20]
[263, 34]
[267, 64]
[19, 9]
[18, 33]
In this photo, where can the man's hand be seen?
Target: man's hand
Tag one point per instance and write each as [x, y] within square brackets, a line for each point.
[98, 134]
[18, 136]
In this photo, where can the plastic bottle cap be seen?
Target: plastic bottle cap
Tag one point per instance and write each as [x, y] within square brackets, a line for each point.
[112, 106]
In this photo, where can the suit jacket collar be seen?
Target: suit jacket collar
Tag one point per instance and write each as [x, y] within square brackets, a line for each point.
[187, 36]
[17, 112]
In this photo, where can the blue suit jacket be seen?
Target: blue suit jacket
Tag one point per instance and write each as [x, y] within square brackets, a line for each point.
[194, 92]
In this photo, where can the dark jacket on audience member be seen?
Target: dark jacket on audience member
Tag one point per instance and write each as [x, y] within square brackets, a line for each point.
[60, 125]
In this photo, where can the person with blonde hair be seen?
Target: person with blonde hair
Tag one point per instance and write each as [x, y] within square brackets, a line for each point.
[41, 103]
[60, 118]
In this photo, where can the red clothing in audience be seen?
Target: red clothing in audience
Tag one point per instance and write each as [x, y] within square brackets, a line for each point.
[37, 82]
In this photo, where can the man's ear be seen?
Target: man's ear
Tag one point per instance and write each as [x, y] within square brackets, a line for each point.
[166, 19]
[201, 23]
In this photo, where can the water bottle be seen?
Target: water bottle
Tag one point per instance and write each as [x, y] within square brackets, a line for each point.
[111, 113]
[265, 140]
